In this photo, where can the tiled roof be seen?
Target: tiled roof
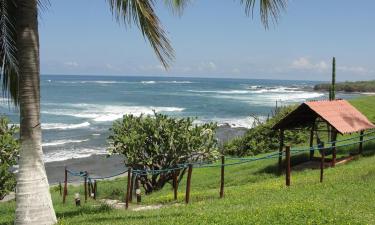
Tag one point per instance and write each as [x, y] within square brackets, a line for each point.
[340, 114]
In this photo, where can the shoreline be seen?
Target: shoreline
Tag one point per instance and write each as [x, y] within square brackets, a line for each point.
[101, 165]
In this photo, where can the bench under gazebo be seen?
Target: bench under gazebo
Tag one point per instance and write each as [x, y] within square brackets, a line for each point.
[339, 116]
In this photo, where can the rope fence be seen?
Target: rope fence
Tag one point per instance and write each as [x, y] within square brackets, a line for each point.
[90, 182]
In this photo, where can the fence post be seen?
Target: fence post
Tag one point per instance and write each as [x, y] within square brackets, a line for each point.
[187, 194]
[175, 184]
[85, 186]
[95, 189]
[360, 150]
[89, 187]
[222, 177]
[322, 163]
[128, 188]
[65, 185]
[60, 188]
[281, 148]
[287, 169]
[138, 189]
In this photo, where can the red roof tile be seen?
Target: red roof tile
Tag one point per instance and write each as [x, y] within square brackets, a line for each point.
[340, 114]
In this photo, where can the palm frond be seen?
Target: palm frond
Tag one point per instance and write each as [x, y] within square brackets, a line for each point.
[8, 50]
[142, 13]
[177, 6]
[268, 9]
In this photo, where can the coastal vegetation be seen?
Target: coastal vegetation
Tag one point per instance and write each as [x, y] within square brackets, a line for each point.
[349, 86]
[160, 142]
[262, 138]
[9, 147]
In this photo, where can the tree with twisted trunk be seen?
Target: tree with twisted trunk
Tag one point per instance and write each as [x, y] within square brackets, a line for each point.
[20, 75]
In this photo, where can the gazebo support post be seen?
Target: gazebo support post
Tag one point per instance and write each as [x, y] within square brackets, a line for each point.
[334, 138]
[322, 163]
[360, 150]
[287, 168]
[281, 147]
[312, 141]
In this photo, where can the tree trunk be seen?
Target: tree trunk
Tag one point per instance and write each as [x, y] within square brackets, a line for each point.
[33, 199]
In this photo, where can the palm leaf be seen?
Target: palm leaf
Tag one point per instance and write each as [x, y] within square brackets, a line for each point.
[141, 13]
[177, 6]
[268, 9]
[8, 50]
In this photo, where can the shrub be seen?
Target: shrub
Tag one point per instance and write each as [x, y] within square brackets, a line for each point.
[262, 138]
[160, 142]
[9, 147]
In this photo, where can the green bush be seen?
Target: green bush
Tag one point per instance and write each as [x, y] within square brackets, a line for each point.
[262, 138]
[9, 147]
[160, 142]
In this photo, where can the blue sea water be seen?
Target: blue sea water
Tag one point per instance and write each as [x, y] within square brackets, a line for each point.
[77, 111]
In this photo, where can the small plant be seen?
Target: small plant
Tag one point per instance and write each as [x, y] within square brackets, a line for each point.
[9, 147]
[160, 142]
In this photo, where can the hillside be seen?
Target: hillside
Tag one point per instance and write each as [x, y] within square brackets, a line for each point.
[255, 193]
[357, 86]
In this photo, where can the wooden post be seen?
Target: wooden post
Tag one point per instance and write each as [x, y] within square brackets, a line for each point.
[322, 163]
[222, 177]
[132, 187]
[334, 138]
[138, 189]
[312, 142]
[85, 186]
[188, 182]
[65, 185]
[89, 187]
[360, 150]
[175, 183]
[128, 188]
[281, 147]
[287, 169]
[60, 188]
[95, 189]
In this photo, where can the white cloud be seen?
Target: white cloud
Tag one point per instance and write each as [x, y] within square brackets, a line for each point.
[304, 63]
[236, 70]
[71, 64]
[353, 69]
[207, 66]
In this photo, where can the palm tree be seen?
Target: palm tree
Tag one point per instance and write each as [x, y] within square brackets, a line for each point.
[20, 70]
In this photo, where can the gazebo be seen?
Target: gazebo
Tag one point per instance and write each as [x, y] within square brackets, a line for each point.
[339, 115]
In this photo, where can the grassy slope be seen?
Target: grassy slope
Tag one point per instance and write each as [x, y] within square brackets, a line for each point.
[254, 194]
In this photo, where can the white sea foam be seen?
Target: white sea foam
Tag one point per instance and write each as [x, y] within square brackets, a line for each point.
[104, 113]
[239, 122]
[166, 82]
[63, 142]
[63, 154]
[223, 91]
[93, 82]
[63, 126]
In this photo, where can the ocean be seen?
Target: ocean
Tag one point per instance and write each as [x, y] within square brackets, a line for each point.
[77, 111]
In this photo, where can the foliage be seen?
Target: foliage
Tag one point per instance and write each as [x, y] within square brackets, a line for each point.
[161, 142]
[262, 138]
[348, 86]
[9, 147]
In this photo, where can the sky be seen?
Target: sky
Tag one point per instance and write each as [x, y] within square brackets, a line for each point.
[214, 38]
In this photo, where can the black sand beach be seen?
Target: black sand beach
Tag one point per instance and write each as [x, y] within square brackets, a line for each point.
[102, 166]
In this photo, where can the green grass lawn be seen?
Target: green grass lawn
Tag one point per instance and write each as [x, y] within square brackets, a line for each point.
[255, 193]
